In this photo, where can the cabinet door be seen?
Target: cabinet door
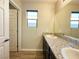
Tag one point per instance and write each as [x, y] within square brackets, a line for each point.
[52, 56]
[46, 49]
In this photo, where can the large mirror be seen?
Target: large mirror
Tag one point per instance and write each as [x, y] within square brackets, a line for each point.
[67, 20]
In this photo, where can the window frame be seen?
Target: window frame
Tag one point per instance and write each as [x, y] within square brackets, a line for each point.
[32, 19]
[74, 20]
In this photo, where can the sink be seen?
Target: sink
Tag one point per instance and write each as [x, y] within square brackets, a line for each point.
[51, 36]
[70, 53]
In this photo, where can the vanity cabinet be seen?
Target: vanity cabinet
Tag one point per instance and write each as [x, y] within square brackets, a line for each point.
[47, 52]
[52, 56]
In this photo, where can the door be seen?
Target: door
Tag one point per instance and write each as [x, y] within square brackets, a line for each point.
[1, 51]
[13, 29]
[6, 49]
[4, 29]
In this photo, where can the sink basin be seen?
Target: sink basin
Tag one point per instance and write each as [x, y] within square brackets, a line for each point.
[51, 36]
[70, 53]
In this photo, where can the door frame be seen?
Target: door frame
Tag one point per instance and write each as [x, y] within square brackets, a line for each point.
[19, 23]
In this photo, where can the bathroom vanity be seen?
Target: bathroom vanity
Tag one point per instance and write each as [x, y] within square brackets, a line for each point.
[48, 54]
[52, 46]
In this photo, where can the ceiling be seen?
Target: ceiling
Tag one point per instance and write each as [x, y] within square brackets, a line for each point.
[39, 1]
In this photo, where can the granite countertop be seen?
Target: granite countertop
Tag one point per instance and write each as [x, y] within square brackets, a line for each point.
[56, 44]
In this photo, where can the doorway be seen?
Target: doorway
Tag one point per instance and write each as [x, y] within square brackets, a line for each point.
[13, 28]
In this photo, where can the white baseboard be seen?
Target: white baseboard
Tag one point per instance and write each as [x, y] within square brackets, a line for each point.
[31, 50]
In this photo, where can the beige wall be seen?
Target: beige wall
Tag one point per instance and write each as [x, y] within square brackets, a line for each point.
[62, 20]
[31, 38]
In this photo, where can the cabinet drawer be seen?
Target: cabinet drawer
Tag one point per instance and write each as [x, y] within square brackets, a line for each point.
[1, 3]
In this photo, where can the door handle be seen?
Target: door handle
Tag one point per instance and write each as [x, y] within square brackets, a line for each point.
[6, 40]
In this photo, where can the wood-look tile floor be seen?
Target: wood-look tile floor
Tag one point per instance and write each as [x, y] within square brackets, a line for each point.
[26, 55]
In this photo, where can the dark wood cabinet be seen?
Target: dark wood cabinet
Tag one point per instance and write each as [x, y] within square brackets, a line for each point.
[52, 56]
[45, 49]
[47, 52]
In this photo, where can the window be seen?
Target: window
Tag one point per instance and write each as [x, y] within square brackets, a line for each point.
[32, 18]
[74, 20]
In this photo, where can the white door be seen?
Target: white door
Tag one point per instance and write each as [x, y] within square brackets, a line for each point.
[13, 29]
[4, 29]
[1, 51]
[4, 50]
